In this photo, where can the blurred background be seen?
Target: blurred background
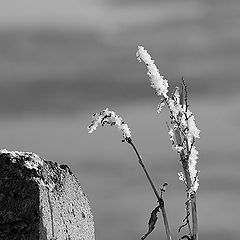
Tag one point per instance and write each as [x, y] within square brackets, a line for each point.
[61, 61]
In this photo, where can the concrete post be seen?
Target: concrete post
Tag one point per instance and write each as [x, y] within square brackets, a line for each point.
[41, 200]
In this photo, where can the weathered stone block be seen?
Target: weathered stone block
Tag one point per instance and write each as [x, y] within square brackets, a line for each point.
[41, 200]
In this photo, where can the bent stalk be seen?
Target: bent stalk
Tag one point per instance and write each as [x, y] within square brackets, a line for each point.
[159, 199]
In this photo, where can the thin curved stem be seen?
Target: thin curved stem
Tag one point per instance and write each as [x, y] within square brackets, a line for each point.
[159, 199]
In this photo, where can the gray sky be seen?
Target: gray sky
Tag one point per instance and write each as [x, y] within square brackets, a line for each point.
[97, 14]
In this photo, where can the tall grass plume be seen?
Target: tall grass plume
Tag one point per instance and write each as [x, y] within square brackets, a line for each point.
[183, 133]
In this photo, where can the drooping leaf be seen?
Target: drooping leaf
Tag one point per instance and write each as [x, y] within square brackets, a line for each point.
[152, 221]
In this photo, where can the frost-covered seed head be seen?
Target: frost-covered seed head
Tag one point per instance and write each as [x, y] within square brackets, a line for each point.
[181, 177]
[193, 130]
[109, 117]
[157, 81]
[192, 162]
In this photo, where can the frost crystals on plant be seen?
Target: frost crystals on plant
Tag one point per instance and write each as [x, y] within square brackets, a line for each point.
[157, 81]
[182, 130]
[111, 118]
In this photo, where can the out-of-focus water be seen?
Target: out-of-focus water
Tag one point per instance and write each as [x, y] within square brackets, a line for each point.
[58, 67]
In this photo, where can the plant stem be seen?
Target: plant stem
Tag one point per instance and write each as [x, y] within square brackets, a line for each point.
[165, 220]
[188, 213]
[194, 217]
[192, 199]
[159, 199]
[185, 166]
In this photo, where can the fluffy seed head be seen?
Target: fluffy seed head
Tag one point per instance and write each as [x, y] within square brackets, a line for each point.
[109, 117]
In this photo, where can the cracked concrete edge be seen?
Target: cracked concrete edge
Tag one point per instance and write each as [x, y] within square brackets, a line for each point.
[61, 210]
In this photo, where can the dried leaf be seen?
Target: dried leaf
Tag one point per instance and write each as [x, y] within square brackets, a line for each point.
[182, 95]
[187, 237]
[152, 221]
[182, 226]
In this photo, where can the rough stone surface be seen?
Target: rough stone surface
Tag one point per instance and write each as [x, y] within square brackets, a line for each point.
[41, 200]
